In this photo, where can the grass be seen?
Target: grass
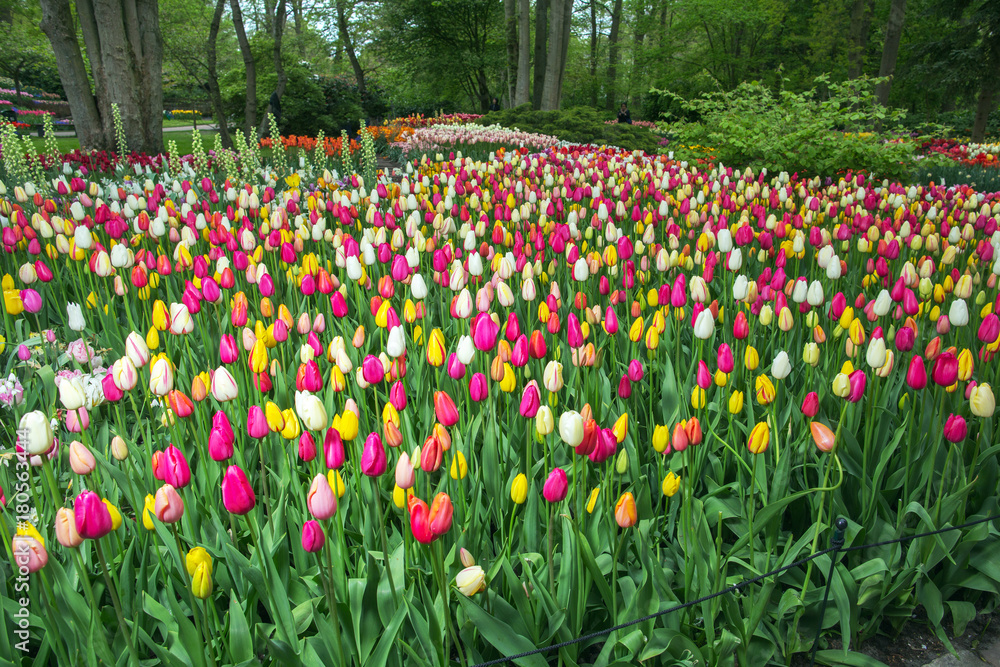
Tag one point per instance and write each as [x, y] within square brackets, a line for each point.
[184, 141]
[186, 122]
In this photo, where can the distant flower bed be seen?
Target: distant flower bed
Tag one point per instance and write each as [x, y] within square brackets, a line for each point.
[391, 133]
[972, 154]
[446, 119]
[639, 123]
[184, 114]
[441, 137]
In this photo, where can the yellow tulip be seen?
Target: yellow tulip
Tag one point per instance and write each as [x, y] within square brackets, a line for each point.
[760, 438]
[620, 429]
[592, 500]
[519, 489]
[661, 436]
[735, 402]
[459, 467]
[671, 485]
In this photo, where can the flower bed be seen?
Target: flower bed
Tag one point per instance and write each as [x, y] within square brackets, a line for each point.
[502, 404]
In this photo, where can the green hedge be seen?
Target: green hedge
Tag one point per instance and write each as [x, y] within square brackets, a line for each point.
[582, 125]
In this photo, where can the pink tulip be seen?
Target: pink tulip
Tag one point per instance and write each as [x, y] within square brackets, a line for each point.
[373, 461]
[228, 351]
[858, 380]
[372, 369]
[724, 358]
[237, 495]
[397, 396]
[320, 499]
[168, 506]
[219, 447]
[333, 449]
[484, 332]
[945, 371]
[556, 486]
[176, 471]
[478, 388]
[955, 428]
[256, 423]
[93, 520]
[313, 537]
[530, 401]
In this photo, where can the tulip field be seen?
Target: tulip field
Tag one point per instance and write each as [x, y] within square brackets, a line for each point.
[255, 411]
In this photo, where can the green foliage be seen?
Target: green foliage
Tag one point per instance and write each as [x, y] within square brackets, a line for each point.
[578, 125]
[810, 133]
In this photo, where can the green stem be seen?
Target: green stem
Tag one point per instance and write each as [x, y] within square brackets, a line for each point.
[385, 541]
[116, 603]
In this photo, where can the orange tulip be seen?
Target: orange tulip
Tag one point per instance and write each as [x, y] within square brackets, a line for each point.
[823, 437]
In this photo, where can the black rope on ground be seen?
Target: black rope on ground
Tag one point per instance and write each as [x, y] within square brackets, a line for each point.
[839, 548]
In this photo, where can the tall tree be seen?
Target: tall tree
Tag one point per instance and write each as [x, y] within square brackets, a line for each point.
[890, 49]
[23, 46]
[541, 53]
[510, 35]
[593, 52]
[561, 15]
[522, 92]
[250, 114]
[616, 21]
[861, 21]
[125, 53]
[213, 75]
[345, 39]
[277, 33]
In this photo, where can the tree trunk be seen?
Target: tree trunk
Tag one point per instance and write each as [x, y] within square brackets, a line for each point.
[522, 91]
[861, 20]
[984, 105]
[893, 33]
[345, 37]
[510, 25]
[297, 14]
[593, 53]
[567, 25]
[616, 21]
[59, 27]
[560, 21]
[639, 35]
[126, 54]
[541, 53]
[213, 75]
[151, 74]
[278, 28]
[251, 69]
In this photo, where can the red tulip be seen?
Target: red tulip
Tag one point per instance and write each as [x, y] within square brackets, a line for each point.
[810, 404]
[444, 409]
[440, 514]
[916, 374]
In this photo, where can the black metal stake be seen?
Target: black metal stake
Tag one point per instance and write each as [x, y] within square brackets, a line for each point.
[840, 526]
